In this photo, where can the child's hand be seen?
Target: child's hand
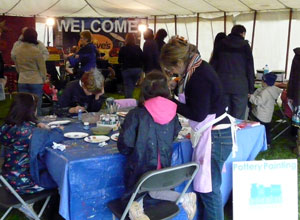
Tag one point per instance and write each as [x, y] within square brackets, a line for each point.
[43, 126]
[61, 127]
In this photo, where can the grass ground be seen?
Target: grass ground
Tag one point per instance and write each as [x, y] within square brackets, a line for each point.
[282, 148]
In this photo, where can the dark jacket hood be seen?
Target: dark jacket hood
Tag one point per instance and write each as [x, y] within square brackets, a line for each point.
[234, 41]
[297, 51]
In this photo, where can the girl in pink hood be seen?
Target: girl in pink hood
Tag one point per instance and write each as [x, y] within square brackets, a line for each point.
[147, 134]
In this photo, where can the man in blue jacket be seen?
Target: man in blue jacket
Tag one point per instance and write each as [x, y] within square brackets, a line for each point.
[233, 61]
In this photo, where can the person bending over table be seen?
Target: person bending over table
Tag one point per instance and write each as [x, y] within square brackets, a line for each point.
[201, 100]
[85, 94]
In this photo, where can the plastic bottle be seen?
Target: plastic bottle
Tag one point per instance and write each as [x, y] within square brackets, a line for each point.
[79, 114]
[266, 69]
[86, 126]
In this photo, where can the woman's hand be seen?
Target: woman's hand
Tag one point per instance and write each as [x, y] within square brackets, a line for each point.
[97, 96]
[76, 109]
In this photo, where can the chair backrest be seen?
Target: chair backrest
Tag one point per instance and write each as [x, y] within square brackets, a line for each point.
[164, 179]
[167, 178]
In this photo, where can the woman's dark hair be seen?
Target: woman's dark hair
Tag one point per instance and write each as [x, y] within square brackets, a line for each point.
[155, 84]
[23, 109]
[30, 36]
[219, 37]
[161, 34]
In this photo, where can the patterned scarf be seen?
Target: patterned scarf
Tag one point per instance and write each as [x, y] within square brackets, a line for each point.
[194, 63]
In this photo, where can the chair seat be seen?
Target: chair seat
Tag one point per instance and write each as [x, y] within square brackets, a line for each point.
[7, 199]
[159, 210]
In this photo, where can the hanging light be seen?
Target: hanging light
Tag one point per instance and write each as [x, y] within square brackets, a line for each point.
[50, 22]
[142, 28]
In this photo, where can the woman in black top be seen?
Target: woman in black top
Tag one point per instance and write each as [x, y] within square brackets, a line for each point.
[201, 98]
[131, 58]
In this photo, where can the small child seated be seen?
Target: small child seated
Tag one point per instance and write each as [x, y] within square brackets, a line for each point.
[49, 89]
[263, 100]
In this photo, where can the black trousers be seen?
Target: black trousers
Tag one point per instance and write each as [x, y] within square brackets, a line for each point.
[267, 126]
[237, 104]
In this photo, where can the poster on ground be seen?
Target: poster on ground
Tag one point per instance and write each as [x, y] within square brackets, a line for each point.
[266, 189]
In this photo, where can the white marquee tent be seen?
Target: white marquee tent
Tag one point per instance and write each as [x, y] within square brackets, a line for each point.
[271, 20]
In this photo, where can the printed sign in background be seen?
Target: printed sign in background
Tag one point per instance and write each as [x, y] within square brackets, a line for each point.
[265, 190]
[108, 33]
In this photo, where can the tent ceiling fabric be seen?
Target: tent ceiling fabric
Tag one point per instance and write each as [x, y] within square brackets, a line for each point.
[139, 8]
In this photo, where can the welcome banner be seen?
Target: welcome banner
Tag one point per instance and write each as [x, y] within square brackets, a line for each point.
[108, 33]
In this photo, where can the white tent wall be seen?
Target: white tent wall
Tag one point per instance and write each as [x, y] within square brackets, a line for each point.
[187, 28]
[270, 39]
[208, 29]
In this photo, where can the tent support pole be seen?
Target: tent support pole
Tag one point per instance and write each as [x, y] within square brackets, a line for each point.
[197, 30]
[253, 30]
[154, 23]
[224, 22]
[288, 42]
[175, 21]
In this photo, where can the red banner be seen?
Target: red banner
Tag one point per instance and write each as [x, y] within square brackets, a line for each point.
[12, 30]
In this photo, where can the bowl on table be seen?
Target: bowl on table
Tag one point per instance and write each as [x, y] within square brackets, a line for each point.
[101, 130]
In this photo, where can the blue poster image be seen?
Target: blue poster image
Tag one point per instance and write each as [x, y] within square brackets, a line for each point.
[265, 195]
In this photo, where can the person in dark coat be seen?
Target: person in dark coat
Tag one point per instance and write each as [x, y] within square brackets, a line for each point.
[293, 91]
[131, 59]
[150, 52]
[85, 59]
[161, 34]
[148, 131]
[233, 61]
[85, 94]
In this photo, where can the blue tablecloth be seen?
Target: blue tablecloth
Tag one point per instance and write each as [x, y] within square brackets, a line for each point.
[89, 176]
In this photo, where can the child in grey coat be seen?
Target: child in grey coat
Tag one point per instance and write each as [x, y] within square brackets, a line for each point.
[263, 100]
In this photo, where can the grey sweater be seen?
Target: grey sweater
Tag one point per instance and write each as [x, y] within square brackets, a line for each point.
[264, 101]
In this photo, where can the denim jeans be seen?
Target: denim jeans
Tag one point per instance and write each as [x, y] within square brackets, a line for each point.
[36, 89]
[130, 77]
[211, 203]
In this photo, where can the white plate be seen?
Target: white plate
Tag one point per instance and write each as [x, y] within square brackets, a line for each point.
[76, 134]
[63, 122]
[115, 137]
[96, 138]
